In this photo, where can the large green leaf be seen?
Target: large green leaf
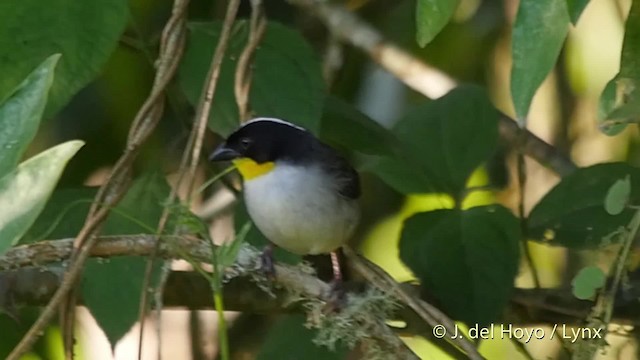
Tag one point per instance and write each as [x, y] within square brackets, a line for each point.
[620, 100]
[289, 339]
[25, 190]
[573, 213]
[344, 125]
[287, 78]
[431, 17]
[119, 280]
[20, 114]
[443, 142]
[467, 259]
[538, 34]
[84, 32]
[111, 289]
[575, 8]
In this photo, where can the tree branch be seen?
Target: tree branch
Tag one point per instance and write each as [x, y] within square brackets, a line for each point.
[244, 287]
[294, 287]
[421, 77]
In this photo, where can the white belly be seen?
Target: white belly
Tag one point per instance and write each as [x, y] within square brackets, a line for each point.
[298, 211]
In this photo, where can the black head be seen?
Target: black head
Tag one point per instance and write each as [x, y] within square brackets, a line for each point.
[265, 140]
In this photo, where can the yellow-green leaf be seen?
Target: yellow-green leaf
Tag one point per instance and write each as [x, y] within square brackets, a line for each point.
[25, 190]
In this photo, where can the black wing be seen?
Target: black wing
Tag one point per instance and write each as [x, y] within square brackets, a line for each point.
[347, 177]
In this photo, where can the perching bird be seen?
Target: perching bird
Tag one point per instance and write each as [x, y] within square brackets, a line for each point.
[300, 193]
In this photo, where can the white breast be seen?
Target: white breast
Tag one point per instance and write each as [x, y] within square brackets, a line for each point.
[297, 209]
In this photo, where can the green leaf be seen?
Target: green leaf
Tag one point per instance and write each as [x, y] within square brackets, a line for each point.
[119, 280]
[63, 216]
[25, 190]
[606, 106]
[346, 126]
[620, 100]
[431, 17]
[84, 32]
[443, 142]
[20, 114]
[289, 339]
[27, 316]
[618, 196]
[467, 259]
[587, 282]
[572, 213]
[111, 289]
[228, 251]
[575, 8]
[538, 34]
[287, 77]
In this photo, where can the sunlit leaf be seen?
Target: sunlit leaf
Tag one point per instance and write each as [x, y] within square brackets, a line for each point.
[467, 259]
[84, 32]
[618, 196]
[287, 78]
[20, 114]
[431, 17]
[25, 190]
[539, 31]
[587, 282]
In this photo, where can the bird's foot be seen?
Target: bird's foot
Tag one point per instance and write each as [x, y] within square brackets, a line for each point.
[267, 262]
[336, 297]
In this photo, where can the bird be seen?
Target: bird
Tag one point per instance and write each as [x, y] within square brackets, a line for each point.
[300, 193]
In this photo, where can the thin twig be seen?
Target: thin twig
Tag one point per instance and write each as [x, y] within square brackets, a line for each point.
[244, 69]
[174, 29]
[114, 187]
[521, 170]
[189, 161]
[69, 281]
[431, 315]
[202, 115]
[332, 59]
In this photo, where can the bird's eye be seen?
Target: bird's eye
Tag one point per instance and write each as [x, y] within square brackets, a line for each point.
[245, 142]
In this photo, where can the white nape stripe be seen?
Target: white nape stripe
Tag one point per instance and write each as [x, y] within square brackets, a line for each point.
[275, 120]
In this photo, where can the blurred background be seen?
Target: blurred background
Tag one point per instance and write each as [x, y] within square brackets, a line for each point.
[473, 48]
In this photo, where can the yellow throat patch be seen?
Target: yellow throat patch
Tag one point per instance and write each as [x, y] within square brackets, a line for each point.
[250, 169]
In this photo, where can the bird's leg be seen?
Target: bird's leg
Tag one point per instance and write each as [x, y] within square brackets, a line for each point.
[267, 261]
[337, 292]
[335, 265]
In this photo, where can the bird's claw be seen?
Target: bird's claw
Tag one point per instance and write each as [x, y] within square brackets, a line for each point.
[267, 263]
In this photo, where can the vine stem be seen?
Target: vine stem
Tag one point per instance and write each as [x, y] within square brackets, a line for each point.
[188, 165]
[223, 338]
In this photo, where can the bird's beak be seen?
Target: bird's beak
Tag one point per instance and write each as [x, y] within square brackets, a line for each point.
[223, 153]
